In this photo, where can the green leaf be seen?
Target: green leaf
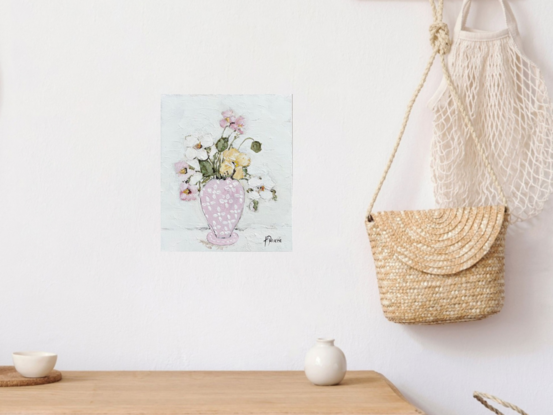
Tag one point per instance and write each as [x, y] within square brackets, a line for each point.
[273, 191]
[206, 168]
[256, 147]
[222, 144]
[255, 205]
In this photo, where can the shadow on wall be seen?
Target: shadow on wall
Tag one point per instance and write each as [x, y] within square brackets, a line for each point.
[520, 326]
[527, 278]
[1, 90]
[532, 42]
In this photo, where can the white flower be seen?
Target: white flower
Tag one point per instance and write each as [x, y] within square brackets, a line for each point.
[260, 188]
[196, 177]
[195, 174]
[195, 164]
[196, 146]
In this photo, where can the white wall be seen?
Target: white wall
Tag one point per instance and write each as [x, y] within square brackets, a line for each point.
[82, 273]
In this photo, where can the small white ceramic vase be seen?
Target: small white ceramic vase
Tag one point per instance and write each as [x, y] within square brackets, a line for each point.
[325, 364]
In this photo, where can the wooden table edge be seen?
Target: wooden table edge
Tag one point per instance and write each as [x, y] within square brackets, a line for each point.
[67, 376]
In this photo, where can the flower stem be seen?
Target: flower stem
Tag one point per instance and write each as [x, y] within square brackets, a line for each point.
[235, 137]
[249, 138]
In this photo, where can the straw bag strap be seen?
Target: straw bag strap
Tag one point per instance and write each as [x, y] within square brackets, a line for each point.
[441, 44]
[481, 397]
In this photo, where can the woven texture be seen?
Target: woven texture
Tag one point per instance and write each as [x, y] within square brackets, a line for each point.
[481, 397]
[444, 265]
[439, 266]
[507, 101]
[10, 377]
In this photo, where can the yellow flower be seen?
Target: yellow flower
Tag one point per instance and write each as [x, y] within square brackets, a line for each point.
[243, 160]
[230, 154]
[234, 161]
[226, 168]
[239, 159]
[239, 174]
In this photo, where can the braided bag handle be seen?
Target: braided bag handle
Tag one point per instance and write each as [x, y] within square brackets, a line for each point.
[441, 45]
[481, 397]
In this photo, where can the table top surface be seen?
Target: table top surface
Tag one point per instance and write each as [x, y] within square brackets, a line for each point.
[213, 393]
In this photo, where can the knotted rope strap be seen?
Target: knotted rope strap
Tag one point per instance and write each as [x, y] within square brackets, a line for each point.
[481, 397]
[441, 45]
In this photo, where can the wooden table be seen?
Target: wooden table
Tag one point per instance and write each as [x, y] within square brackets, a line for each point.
[213, 393]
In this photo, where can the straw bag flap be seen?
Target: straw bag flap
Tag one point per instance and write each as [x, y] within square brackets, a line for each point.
[439, 241]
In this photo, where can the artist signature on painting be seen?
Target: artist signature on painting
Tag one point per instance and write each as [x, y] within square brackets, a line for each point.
[269, 239]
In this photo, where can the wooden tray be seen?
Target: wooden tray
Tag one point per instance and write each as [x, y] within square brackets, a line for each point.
[10, 377]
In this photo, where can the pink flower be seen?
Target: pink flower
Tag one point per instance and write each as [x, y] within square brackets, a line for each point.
[188, 192]
[228, 118]
[238, 125]
[183, 170]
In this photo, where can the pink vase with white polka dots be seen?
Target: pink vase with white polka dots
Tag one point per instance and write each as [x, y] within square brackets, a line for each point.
[222, 201]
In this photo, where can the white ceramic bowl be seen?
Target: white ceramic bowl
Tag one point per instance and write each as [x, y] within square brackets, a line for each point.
[34, 364]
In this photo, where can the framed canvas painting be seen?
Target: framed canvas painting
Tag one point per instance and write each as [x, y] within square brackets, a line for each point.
[226, 173]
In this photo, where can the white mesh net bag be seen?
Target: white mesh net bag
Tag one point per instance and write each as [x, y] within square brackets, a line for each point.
[507, 99]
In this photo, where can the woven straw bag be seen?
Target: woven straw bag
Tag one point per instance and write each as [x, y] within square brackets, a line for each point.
[443, 265]
[482, 397]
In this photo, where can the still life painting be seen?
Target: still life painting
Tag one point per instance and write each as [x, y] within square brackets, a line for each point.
[226, 173]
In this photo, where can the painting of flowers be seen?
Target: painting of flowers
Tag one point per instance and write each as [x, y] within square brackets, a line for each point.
[226, 172]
